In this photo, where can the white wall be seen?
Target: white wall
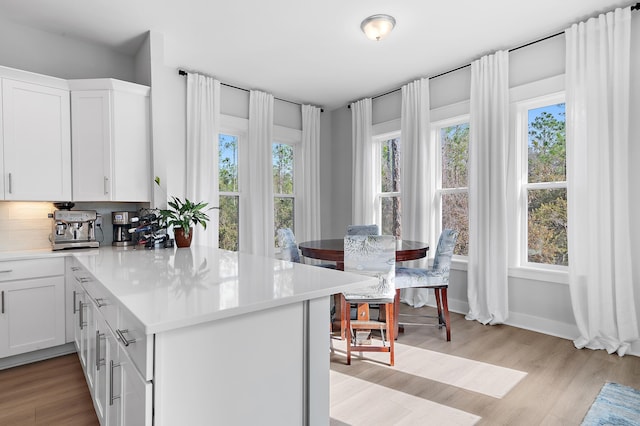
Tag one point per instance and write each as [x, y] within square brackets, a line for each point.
[543, 306]
[63, 57]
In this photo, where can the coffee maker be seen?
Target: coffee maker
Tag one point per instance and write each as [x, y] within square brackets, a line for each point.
[121, 225]
[73, 229]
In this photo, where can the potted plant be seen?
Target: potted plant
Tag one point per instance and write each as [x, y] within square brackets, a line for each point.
[182, 216]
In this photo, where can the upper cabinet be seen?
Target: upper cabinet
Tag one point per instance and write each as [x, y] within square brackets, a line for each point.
[35, 144]
[111, 148]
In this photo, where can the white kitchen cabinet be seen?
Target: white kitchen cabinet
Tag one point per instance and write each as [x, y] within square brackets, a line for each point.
[105, 339]
[32, 300]
[36, 157]
[111, 147]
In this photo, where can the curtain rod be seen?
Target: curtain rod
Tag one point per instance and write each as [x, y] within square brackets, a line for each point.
[634, 7]
[184, 73]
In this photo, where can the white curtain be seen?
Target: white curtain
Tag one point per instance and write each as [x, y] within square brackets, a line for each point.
[310, 229]
[203, 116]
[417, 173]
[487, 277]
[597, 104]
[258, 236]
[363, 203]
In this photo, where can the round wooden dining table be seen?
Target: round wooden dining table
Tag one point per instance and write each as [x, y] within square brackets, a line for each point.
[333, 250]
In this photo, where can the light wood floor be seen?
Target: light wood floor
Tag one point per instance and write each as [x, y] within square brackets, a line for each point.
[554, 383]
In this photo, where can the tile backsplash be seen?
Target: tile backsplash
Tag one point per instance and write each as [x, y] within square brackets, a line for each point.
[26, 225]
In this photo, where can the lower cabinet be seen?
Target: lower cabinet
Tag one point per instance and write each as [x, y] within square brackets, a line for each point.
[31, 305]
[121, 396]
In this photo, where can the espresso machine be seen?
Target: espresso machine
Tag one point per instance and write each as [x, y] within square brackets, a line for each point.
[73, 229]
[121, 221]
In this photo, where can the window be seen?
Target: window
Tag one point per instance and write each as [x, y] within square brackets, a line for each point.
[452, 141]
[283, 190]
[544, 185]
[228, 228]
[390, 211]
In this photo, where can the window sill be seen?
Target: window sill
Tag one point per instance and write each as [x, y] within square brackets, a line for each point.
[537, 274]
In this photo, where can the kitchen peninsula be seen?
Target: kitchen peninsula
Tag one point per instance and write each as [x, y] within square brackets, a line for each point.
[204, 336]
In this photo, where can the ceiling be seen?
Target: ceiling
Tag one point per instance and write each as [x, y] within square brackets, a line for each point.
[304, 51]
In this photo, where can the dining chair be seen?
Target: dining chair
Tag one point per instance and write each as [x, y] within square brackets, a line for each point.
[375, 256]
[363, 229]
[436, 277]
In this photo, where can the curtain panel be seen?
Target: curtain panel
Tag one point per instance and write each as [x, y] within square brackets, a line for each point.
[417, 174]
[597, 105]
[363, 203]
[258, 236]
[487, 275]
[310, 227]
[203, 118]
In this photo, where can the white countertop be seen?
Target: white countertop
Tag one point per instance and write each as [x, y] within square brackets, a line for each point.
[172, 288]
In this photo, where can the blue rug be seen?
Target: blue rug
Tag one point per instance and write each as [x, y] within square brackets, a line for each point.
[616, 405]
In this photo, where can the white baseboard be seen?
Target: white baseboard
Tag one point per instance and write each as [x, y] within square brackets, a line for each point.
[35, 356]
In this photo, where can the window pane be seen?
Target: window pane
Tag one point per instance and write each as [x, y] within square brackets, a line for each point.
[283, 214]
[391, 216]
[228, 222]
[282, 168]
[455, 215]
[547, 226]
[547, 148]
[455, 155]
[228, 163]
[390, 162]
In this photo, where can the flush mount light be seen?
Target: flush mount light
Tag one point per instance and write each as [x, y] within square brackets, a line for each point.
[377, 27]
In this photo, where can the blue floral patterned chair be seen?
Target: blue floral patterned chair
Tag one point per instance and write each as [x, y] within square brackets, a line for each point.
[289, 248]
[363, 230]
[375, 256]
[437, 278]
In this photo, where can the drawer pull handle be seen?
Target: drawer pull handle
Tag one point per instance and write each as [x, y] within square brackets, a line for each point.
[74, 303]
[106, 185]
[81, 307]
[100, 302]
[123, 339]
[75, 268]
[6, 271]
[111, 396]
[3, 301]
[99, 336]
[10, 184]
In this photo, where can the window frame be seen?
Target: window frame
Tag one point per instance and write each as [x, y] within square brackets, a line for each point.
[293, 138]
[439, 191]
[238, 127]
[377, 140]
[522, 166]
[525, 92]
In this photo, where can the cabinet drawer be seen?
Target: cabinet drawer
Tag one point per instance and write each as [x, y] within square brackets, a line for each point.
[31, 268]
[139, 346]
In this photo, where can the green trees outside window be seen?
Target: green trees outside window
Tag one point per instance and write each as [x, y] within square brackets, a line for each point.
[283, 200]
[390, 188]
[229, 198]
[454, 154]
[547, 188]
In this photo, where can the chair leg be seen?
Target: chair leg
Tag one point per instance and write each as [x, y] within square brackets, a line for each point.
[445, 308]
[347, 321]
[391, 328]
[436, 292]
[344, 313]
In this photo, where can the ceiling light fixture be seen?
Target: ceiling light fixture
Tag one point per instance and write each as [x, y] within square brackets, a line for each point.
[377, 27]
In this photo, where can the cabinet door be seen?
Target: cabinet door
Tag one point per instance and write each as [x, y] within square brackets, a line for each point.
[32, 315]
[91, 132]
[131, 147]
[101, 367]
[136, 396]
[37, 142]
